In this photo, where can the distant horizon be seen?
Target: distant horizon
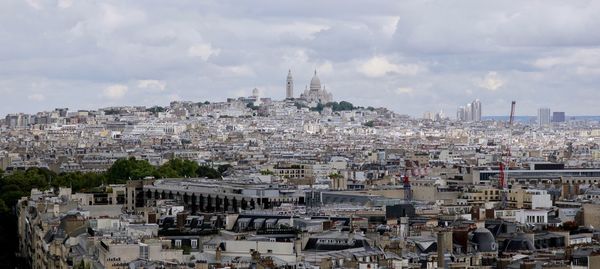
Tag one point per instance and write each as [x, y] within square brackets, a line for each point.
[535, 116]
[417, 115]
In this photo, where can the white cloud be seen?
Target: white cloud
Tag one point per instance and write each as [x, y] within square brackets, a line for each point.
[115, 91]
[38, 97]
[491, 81]
[65, 3]
[152, 84]
[380, 66]
[325, 68]
[204, 51]
[238, 71]
[578, 59]
[34, 4]
[404, 90]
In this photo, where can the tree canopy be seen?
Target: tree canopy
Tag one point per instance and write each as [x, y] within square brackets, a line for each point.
[335, 106]
[18, 184]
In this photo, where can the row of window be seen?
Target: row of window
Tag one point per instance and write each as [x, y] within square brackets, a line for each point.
[535, 219]
[193, 243]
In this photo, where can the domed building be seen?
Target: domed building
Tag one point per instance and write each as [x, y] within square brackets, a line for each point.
[483, 240]
[518, 243]
[315, 95]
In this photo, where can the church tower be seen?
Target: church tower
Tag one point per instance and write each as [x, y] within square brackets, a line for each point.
[289, 86]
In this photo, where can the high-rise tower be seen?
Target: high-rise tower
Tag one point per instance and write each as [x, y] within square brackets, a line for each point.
[476, 110]
[289, 86]
[543, 116]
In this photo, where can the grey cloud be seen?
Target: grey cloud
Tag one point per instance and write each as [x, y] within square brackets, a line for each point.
[545, 52]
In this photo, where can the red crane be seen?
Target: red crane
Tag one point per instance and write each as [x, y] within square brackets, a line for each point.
[407, 188]
[502, 185]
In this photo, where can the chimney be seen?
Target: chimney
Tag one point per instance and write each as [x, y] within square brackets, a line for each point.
[151, 217]
[181, 217]
[444, 246]
[218, 255]
[566, 191]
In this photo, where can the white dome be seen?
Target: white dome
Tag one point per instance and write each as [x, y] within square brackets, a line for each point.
[315, 83]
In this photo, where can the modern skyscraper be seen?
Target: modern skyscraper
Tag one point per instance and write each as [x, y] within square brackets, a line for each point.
[470, 112]
[543, 116]
[289, 86]
[558, 116]
[476, 110]
[460, 113]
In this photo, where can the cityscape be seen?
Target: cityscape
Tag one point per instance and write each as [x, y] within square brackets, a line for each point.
[470, 150]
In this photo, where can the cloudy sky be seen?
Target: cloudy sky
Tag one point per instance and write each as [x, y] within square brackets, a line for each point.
[409, 56]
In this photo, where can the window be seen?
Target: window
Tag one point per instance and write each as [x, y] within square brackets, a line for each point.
[194, 243]
[144, 251]
[269, 251]
[178, 243]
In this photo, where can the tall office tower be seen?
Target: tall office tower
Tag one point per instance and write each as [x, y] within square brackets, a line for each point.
[543, 116]
[476, 110]
[460, 113]
[558, 116]
[289, 86]
[469, 112]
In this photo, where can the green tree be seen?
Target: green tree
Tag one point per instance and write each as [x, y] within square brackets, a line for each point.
[223, 168]
[3, 207]
[345, 106]
[205, 171]
[266, 172]
[124, 169]
[299, 105]
[165, 171]
[335, 176]
[178, 168]
[10, 198]
[251, 106]
[156, 109]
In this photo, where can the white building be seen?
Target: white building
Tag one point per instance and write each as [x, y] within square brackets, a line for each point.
[543, 116]
[532, 217]
[316, 95]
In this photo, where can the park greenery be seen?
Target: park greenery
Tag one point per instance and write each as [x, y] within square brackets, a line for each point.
[335, 106]
[17, 184]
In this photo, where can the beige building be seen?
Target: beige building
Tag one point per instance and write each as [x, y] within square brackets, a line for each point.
[293, 171]
[591, 215]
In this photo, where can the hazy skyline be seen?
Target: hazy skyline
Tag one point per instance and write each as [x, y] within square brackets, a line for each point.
[409, 56]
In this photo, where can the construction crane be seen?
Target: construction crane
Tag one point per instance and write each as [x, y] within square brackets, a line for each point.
[502, 184]
[407, 189]
[409, 166]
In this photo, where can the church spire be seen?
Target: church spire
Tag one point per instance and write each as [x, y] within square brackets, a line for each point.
[289, 86]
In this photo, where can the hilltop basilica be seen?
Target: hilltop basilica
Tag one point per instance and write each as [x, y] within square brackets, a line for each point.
[313, 95]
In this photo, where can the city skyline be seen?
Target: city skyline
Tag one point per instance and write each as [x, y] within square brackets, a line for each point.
[84, 54]
[300, 134]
